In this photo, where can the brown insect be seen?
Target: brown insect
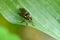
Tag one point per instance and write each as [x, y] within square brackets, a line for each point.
[25, 14]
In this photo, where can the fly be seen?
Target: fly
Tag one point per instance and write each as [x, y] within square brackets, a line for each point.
[25, 14]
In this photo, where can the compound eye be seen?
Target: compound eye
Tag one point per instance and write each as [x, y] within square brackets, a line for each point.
[28, 19]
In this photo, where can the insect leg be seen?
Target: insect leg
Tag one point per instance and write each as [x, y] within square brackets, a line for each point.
[32, 23]
[26, 23]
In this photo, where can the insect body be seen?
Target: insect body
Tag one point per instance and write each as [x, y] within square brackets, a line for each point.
[25, 14]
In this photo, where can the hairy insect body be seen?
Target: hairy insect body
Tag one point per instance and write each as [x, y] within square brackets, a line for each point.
[25, 14]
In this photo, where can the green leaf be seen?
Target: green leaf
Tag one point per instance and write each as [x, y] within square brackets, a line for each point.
[9, 11]
[45, 14]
